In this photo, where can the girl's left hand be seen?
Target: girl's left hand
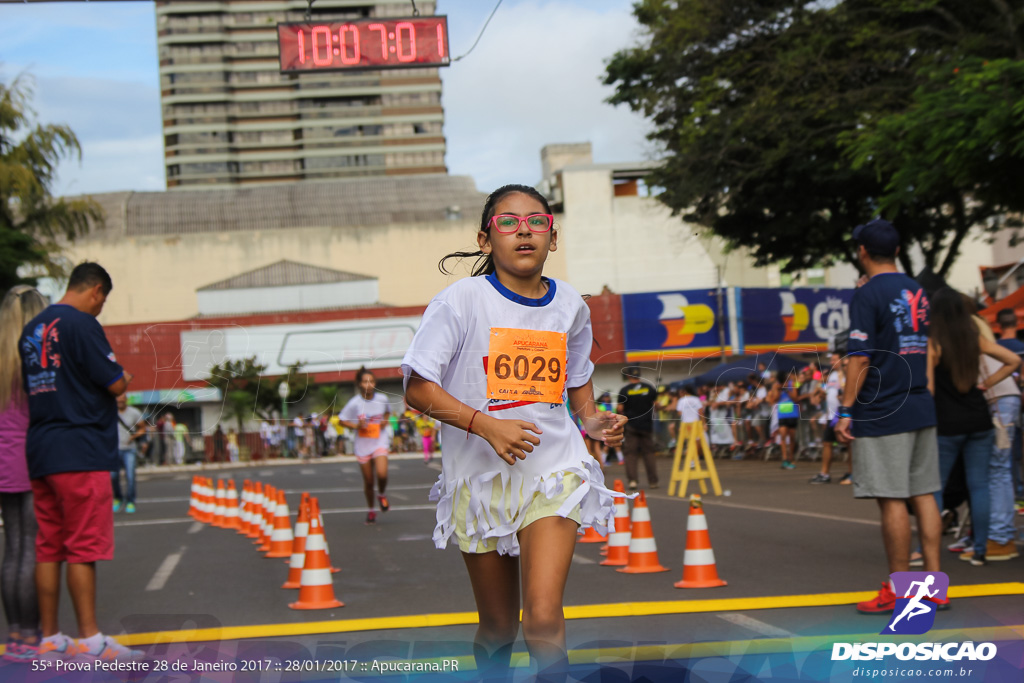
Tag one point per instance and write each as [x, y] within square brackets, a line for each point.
[607, 427]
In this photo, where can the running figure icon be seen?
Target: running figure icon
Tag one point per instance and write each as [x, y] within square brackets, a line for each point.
[914, 606]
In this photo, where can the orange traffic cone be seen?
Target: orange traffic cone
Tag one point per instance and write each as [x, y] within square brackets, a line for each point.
[618, 540]
[193, 502]
[243, 507]
[699, 570]
[317, 589]
[591, 536]
[327, 548]
[205, 500]
[298, 558]
[261, 515]
[231, 520]
[643, 552]
[281, 537]
[268, 526]
[218, 510]
[618, 488]
[255, 505]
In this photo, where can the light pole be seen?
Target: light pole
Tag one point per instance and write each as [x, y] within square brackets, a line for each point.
[283, 390]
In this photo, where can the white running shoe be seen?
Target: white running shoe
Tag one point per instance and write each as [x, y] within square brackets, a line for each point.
[58, 646]
[111, 651]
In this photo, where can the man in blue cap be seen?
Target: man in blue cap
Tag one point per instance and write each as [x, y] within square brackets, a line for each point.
[887, 413]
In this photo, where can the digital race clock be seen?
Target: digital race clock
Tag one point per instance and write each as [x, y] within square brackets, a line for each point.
[391, 43]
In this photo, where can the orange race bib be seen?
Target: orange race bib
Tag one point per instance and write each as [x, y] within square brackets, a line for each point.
[526, 365]
[370, 431]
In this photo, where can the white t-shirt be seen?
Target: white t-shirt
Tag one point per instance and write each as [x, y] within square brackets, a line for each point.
[373, 437]
[833, 385]
[451, 348]
[689, 408]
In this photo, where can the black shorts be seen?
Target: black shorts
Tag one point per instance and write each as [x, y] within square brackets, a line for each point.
[790, 422]
[830, 434]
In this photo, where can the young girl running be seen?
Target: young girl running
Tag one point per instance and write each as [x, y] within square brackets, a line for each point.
[366, 413]
[493, 359]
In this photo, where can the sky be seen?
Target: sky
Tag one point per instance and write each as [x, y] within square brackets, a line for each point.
[534, 79]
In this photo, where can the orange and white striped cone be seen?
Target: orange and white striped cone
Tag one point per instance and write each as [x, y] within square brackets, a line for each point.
[699, 570]
[618, 539]
[618, 488]
[281, 537]
[255, 505]
[263, 521]
[643, 551]
[327, 548]
[317, 588]
[205, 500]
[591, 536]
[231, 520]
[268, 527]
[298, 558]
[243, 507]
[193, 501]
[218, 510]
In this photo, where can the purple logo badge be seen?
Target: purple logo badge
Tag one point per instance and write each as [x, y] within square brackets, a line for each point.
[916, 593]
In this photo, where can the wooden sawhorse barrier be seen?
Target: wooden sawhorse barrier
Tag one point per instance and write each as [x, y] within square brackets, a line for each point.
[690, 468]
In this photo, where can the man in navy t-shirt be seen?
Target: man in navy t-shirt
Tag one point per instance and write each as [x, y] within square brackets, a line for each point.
[1009, 408]
[887, 412]
[71, 378]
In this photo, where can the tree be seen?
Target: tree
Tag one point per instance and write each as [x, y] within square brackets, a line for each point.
[32, 221]
[962, 137]
[249, 393]
[750, 100]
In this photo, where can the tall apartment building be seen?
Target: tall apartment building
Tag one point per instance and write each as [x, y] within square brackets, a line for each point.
[230, 117]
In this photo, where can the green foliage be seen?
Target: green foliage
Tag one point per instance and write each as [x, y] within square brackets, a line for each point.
[753, 101]
[32, 221]
[249, 393]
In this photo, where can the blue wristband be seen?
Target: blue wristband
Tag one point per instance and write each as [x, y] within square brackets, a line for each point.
[845, 414]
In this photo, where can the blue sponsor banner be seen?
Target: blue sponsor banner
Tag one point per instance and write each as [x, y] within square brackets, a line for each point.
[797, 319]
[680, 324]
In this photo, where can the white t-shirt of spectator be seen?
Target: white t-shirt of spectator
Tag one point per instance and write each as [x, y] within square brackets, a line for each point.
[689, 409]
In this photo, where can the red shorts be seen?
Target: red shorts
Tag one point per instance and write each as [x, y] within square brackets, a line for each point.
[76, 517]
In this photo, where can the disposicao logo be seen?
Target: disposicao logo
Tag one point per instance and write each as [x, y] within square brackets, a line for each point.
[914, 615]
[915, 612]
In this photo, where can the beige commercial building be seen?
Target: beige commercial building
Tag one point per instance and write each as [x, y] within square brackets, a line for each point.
[231, 118]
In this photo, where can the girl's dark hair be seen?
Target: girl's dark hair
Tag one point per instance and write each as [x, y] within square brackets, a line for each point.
[360, 372]
[484, 264]
[953, 330]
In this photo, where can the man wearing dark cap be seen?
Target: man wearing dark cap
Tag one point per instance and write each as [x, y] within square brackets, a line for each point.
[636, 402]
[887, 413]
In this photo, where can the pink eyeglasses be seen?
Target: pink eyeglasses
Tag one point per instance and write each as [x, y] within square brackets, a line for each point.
[537, 222]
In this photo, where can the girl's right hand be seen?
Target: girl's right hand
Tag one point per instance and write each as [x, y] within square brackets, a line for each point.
[510, 439]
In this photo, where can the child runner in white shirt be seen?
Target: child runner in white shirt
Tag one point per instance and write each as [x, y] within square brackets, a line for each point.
[492, 361]
[366, 413]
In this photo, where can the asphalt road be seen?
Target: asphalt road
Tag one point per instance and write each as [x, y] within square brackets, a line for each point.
[773, 536]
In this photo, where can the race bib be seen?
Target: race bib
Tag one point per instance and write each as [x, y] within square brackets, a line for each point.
[526, 365]
[370, 431]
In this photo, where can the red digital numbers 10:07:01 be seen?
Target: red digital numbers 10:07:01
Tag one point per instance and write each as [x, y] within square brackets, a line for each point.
[364, 44]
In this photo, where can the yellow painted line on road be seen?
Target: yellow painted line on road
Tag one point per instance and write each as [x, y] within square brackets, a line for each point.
[627, 609]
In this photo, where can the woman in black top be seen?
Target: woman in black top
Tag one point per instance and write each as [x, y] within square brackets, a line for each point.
[964, 421]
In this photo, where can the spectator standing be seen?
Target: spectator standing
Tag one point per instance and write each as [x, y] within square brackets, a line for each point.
[180, 433]
[887, 413]
[1004, 403]
[167, 437]
[218, 444]
[130, 428]
[833, 392]
[636, 402]
[232, 445]
[72, 377]
[17, 580]
[1007, 320]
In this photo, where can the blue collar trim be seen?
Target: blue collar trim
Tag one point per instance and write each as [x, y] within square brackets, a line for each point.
[520, 299]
